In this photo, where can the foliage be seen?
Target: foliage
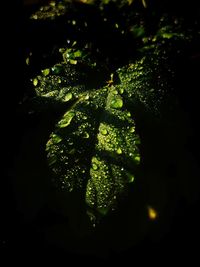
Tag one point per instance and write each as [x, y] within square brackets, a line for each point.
[96, 144]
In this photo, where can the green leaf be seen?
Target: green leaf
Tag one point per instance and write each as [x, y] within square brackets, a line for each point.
[96, 147]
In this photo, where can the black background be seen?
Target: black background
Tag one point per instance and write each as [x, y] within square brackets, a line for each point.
[21, 240]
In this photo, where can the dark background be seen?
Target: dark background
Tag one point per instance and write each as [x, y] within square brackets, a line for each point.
[22, 238]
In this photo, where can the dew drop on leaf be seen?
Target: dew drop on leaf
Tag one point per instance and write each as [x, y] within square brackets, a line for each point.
[137, 159]
[132, 129]
[94, 166]
[119, 151]
[117, 103]
[35, 82]
[46, 72]
[68, 97]
[104, 132]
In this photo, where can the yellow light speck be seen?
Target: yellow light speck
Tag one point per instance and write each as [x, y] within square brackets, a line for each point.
[152, 213]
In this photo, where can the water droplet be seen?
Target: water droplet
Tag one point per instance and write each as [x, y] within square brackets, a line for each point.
[35, 82]
[87, 97]
[73, 22]
[119, 151]
[137, 158]
[104, 132]
[117, 102]
[121, 90]
[128, 114]
[132, 129]
[94, 166]
[68, 97]
[73, 61]
[86, 135]
[46, 72]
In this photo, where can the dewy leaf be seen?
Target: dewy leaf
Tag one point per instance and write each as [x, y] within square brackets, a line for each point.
[95, 146]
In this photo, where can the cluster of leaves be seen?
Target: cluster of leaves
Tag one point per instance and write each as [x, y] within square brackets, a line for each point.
[96, 145]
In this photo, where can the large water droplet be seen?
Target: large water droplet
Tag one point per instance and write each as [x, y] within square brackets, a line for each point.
[46, 72]
[87, 97]
[137, 159]
[119, 151]
[35, 82]
[73, 61]
[104, 132]
[94, 166]
[68, 97]
[117, 102]
[132, 129]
